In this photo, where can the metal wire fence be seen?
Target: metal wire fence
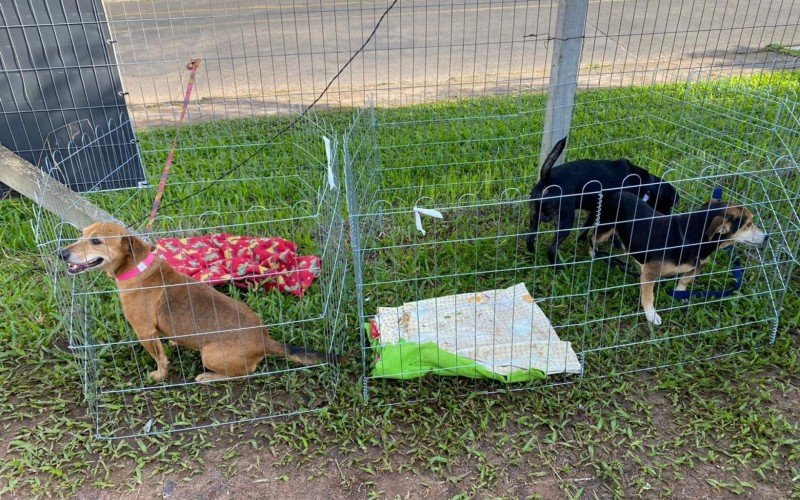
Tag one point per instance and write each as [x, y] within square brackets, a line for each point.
[473, 74]
[272, 57]
[296, 200]
[430, 221]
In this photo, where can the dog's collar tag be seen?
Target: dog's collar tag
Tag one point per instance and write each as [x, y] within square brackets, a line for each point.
[139, 269]
[646, 197]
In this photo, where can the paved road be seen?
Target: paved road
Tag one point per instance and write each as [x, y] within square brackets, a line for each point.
[262, 56]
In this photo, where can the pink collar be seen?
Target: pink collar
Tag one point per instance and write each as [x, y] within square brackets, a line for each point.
[139, 269]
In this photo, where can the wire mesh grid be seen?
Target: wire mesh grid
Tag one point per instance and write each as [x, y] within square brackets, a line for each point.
[106, 151]
[274, 58]
[89, 58]
[291, 193]
[451, 216]
[270, 57]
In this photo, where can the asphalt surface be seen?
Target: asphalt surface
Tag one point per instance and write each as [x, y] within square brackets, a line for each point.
[264, 56]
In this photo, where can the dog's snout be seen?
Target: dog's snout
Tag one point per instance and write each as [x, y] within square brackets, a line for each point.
[64, 254]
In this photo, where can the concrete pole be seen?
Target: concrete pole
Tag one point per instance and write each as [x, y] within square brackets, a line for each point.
[567, 47]
[26, 179]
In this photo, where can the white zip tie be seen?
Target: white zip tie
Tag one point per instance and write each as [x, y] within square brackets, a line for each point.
[425, 211]
[329, 155]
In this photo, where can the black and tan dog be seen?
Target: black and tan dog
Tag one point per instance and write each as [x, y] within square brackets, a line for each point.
[667, 245]
[158, 301]
[577, 185]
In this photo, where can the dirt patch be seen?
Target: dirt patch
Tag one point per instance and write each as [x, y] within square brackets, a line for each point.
[255, 475]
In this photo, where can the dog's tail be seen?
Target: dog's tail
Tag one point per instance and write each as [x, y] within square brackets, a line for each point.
[301, 355]
[549, 162]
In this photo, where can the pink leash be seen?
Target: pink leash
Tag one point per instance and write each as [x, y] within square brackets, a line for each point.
[192, 67]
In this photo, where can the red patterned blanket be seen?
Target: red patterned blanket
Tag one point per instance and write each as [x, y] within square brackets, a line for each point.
[242, 260]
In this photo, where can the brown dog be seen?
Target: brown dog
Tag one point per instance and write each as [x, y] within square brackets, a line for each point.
[158, 301]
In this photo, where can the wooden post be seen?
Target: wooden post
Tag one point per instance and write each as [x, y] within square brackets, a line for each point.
[26, 179]
[567, 47]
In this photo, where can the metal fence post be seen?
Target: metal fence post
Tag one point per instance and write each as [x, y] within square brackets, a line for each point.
[567, 46]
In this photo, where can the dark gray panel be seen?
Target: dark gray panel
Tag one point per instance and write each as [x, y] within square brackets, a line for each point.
[60, 88]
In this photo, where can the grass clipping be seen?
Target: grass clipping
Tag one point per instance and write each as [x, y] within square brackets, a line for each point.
[497, 334]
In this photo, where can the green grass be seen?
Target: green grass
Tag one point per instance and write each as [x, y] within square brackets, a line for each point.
[783, 49]
[711, 428]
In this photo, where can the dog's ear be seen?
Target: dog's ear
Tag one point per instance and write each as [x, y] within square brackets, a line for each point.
[135, 247]
[718, 225]
[547, 166]
[713, 203]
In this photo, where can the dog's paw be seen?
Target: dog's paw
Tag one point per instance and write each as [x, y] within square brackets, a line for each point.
[592, 253]
[680, 288]
[158, 375]
[652, 316]
[172, 343]
[208, 377]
